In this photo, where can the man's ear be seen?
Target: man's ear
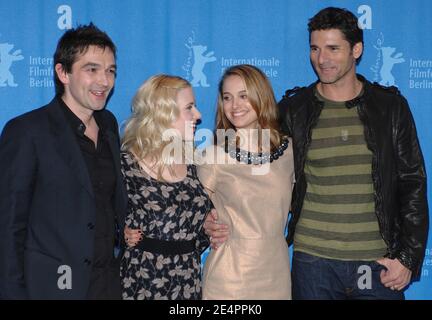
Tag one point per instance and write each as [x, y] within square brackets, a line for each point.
[61, 73]
[357, 50]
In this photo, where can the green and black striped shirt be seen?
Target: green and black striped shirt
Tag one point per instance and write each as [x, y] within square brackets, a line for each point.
[338, 218]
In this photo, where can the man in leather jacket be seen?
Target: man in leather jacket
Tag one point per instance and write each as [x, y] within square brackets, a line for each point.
[336, 246]
[359, 219]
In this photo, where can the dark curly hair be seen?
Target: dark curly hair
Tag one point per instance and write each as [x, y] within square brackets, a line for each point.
[337, 18]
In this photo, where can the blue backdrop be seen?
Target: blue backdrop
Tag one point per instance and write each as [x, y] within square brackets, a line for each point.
[198, 39]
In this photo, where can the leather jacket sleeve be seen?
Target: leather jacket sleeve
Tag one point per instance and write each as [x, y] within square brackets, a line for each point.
[411, 190]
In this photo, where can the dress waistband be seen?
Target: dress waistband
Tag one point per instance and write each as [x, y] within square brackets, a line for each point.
[166, 247]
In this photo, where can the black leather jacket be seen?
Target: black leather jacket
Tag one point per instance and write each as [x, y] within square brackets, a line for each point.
[398, 170]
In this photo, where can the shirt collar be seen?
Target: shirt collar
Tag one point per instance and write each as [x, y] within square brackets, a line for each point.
[350, 103]
[76, 124]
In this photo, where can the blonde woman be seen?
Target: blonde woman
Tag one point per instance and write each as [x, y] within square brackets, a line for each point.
[251, 191]
[167, 204]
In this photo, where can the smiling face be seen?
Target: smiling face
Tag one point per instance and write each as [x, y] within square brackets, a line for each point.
[236, 105]
[188, 114]
[87, 86]
[332, 57]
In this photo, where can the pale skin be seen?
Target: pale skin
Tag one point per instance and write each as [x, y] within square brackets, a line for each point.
[240, 113]
[242, 116]
[334, 61]
[185, 124]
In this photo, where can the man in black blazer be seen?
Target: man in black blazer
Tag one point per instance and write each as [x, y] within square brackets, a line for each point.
[62, 198]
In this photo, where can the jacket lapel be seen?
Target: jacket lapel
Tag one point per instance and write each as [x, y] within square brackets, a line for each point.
[67, 146]
[120, 195]
[115, 150]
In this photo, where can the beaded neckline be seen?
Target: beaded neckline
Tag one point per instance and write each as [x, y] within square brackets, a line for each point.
[256, 157]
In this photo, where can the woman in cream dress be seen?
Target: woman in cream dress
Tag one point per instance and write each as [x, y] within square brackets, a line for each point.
[249, 179]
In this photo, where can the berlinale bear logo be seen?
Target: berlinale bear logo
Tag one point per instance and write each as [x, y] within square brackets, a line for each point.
[200, 60]
[389, 60]
[6, 59]
[197, 59]
[386, 58]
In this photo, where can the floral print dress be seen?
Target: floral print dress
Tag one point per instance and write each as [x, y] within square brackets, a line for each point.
[169, 211]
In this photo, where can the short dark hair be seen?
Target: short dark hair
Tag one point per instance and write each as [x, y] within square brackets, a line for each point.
[337, 18]
[75, 42]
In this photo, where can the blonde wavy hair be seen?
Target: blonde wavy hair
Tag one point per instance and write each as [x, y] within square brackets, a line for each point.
[154, 109]
[260, 96]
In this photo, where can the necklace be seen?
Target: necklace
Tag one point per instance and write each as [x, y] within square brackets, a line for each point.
[256, 157]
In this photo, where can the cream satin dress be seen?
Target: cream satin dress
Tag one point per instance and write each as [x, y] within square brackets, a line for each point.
[254, 262]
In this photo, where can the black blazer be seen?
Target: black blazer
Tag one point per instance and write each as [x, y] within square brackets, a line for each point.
[47, 207]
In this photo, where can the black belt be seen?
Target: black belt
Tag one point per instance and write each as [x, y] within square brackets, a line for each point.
[166, 247]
